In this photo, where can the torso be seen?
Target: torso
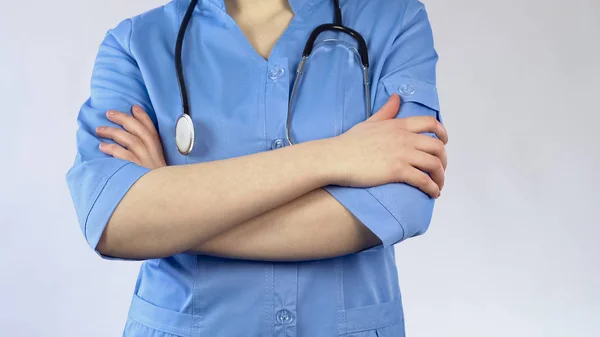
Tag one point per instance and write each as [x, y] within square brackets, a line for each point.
[239, 99]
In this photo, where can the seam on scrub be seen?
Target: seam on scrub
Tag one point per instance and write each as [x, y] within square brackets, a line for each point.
[178, 11]
[209, 3]
[389, 79]
[341, 310]
[429, 100]
[308, 7]
[140, 81]
[129, 38]
[341, 129]
[401, 25]
[87, 217]
[378, 327]
[393, 216]
[372, 92]
[337, 299]
[92, 201]
[160, 327]
[385, 55]
[194, 297]
[297, 294]
[203, 268]
[264, 103]
[266, 318]
[273, 294]
[342, 287]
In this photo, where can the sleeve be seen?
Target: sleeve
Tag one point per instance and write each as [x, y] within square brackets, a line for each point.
[397, 211]
[97, 182]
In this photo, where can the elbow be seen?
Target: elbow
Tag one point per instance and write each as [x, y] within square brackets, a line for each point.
[108, 244]
[97, 188]
[113, 245]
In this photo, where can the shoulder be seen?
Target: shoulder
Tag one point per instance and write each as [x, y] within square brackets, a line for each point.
[388, 14]
[150, 25]
[383, 22]
[382, 6]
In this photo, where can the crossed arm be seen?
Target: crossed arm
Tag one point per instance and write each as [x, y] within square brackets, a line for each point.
[124, 217]
[310, 225]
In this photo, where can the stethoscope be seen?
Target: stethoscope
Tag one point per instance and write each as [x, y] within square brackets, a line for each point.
[184, 129]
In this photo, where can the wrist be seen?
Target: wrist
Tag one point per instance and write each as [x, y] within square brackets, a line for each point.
[322, 154]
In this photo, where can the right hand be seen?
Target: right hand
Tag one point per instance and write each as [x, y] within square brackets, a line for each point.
[384, 149]
[136, 140]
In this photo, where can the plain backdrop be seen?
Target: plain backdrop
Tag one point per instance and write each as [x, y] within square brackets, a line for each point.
[513, 247]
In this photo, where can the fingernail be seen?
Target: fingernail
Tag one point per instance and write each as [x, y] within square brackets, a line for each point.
[110, 113]
[135, 108]
[102, 145]
[100, 128]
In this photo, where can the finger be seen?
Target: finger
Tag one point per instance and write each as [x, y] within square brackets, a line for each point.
[133, 126]
[420, 124]
[127, 140]
[142, 116]
[432, 146]
[119, 152]
[422, 181]
[389, 110]
[429, 164]
[156, 156]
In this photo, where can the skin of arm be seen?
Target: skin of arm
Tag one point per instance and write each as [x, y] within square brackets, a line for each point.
[313, 226]
[202, 200]
[294, 219]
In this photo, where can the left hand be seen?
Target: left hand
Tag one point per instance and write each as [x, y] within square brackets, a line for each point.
[137, 142]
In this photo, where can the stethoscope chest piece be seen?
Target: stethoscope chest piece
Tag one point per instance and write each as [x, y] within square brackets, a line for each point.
[184, 134]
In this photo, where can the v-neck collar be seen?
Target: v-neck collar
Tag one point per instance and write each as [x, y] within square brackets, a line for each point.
[295, 4]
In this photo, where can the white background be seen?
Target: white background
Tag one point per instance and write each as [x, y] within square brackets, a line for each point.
[513, 248]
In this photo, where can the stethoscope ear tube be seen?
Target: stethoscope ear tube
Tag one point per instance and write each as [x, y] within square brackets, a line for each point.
[178, 57]
[362, 44]
[184, 129]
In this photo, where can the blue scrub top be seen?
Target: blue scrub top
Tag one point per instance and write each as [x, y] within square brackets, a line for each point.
[239, 102]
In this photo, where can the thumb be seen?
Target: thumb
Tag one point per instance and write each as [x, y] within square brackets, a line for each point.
[389, 110]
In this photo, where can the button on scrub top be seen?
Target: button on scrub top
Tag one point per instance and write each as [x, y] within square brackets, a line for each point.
[239, 103]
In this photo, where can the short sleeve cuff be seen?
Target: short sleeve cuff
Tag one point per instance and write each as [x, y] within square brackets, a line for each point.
[108, 199]
[372, 213]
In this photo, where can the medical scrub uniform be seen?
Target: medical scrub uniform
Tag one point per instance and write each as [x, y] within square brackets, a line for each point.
[239, 102]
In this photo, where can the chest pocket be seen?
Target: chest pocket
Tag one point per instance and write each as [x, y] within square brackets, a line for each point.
[330, 97]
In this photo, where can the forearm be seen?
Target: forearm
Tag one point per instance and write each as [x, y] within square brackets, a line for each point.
[313, 226]
[176, 208]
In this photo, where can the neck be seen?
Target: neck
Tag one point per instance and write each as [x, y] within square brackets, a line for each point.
[255, 8]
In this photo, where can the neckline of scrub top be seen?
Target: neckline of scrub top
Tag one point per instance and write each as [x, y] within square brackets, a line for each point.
[295, 4]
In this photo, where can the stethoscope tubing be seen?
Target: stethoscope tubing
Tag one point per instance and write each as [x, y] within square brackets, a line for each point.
[184, 129]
